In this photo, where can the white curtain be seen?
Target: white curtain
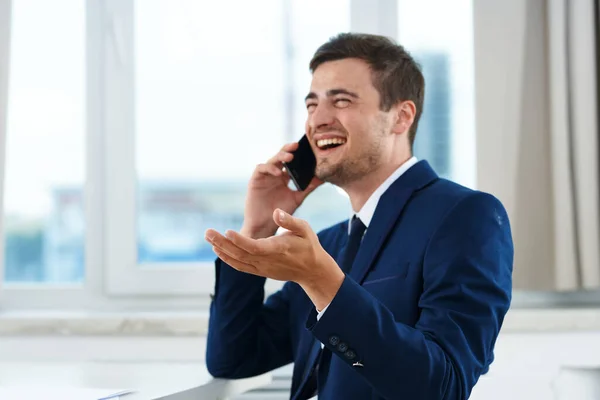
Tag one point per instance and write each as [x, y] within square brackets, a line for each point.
[537, 134]
[574, 138]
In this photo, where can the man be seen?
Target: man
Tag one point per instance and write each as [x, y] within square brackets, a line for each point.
[403, 301]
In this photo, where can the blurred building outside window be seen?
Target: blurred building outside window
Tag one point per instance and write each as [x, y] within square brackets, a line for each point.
[215, 93]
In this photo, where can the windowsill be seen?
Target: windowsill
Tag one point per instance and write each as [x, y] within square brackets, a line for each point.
[195, 324]
[552, 320]
[47, 323]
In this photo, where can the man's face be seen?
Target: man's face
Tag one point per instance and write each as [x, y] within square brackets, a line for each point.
[346, 127]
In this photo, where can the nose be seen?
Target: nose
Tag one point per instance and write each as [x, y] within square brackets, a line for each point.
[321, 118]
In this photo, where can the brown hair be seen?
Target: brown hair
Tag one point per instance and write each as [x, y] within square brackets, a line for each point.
[396, 75]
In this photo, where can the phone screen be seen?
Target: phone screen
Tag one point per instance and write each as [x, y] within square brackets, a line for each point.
[302, 168]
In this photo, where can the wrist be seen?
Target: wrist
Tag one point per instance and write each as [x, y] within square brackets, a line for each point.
[255, 233]
[322, 288]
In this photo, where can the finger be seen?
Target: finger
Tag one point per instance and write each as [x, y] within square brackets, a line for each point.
[284, 154]
[255, 247]
[269, 169]
[285, 178]
[236, 264]
[281, 157]
[227, 246]
[290, 146]
[286, 221]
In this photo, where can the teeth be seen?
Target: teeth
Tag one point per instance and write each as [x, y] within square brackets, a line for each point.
[327, 142]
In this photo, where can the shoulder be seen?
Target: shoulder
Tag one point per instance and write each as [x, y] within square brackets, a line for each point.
[445, 205]
[469, 202]
[472, 215]
[446, 191]
[474, 225]
[453, 197]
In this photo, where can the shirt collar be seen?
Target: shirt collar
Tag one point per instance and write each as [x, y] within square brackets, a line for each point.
[368, 209]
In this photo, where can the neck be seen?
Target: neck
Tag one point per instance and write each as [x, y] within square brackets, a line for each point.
[359, 191]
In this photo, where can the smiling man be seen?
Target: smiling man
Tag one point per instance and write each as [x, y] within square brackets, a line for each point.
[405, 299]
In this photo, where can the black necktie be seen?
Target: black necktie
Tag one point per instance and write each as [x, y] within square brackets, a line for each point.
[357, 229]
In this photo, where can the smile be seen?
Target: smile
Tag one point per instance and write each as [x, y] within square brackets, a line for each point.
[326, 144]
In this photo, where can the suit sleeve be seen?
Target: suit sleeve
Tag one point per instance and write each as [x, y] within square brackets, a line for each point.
[247, 336]
[467, 285]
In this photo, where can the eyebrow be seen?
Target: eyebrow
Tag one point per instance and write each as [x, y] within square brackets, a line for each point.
[332, 92]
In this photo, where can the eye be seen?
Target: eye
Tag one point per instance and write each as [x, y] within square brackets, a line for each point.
[310, 106]
[341, 103]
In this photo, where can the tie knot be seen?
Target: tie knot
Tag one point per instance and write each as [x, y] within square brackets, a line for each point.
[357, 228]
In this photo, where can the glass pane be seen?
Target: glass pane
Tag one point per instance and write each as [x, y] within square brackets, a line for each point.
[442, 42]
[217, 93]
[43, 204]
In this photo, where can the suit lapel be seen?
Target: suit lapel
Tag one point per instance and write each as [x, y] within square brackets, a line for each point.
[388, 210]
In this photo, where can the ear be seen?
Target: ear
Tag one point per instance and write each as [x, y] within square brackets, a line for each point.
[404, 116]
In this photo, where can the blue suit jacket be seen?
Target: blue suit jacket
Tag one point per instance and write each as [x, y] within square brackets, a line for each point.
[417, 318]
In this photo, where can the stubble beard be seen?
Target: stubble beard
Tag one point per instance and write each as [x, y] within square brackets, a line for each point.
[352, 168]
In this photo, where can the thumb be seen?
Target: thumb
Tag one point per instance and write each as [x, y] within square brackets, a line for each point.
[289, 222]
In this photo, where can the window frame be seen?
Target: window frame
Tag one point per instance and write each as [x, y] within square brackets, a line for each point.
[124, 277]
[16, 296]
[92, 293]
[112, 281]
[5, 28]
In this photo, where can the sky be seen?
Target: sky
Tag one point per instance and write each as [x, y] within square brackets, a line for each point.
[209, 86]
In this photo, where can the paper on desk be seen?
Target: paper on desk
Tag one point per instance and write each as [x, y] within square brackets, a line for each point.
[58, 393]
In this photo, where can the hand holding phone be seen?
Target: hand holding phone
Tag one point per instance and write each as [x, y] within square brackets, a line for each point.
[269, 189]
[302, 167]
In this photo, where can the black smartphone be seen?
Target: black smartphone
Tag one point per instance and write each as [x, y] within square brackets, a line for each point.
[302, 168]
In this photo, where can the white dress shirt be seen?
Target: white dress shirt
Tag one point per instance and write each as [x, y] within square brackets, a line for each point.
[368, 209]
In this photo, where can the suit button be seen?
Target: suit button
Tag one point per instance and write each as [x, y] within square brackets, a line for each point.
[350, 355]
[334, 340]
[342, 347]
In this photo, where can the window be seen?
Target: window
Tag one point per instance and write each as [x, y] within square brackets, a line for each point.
[442, 42]
[208, 106]
[44, 225]
[133, 126]
[209, 103]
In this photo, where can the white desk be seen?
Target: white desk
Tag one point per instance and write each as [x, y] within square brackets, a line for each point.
[150, 381]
